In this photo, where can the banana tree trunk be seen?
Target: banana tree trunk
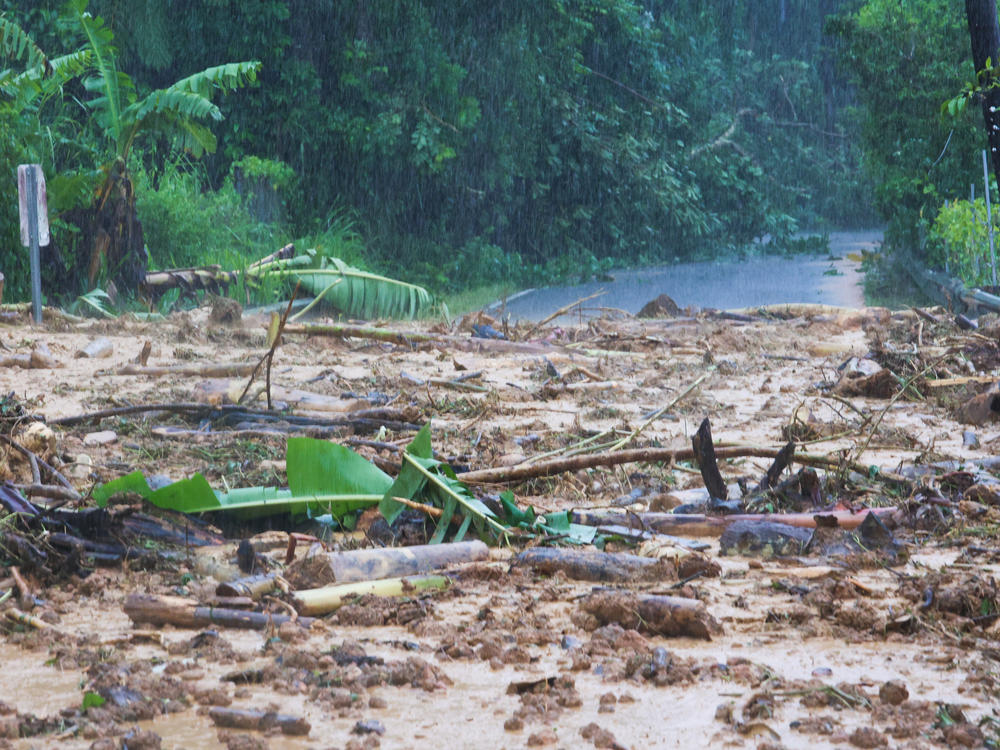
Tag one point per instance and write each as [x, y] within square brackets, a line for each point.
[114, 237]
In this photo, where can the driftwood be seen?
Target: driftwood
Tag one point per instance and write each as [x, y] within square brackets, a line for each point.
[247, 719]
[184, 613]
[647, 455]
[659, 615]
[696, 524]
[321, 568]
[329, 598]
[591, 565]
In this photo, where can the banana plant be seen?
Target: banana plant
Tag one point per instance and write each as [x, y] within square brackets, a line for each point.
[114, 234]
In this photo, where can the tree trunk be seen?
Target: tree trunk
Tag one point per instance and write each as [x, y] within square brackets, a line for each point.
[114, 238]
[984, 32]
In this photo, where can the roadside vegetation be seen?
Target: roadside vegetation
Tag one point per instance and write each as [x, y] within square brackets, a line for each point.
[475, 146]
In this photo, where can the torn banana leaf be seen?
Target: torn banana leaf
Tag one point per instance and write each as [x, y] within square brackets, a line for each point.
[323, 478]
[556, 524]
[424, 479]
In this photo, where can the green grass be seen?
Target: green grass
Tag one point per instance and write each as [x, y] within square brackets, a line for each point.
[477, 298]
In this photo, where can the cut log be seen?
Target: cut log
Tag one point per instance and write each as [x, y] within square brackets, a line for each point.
[184, 613]
[670, 616]
[591, 565]
[321, 601]
[320, 568]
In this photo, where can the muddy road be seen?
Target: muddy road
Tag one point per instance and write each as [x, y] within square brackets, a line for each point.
[857, 639]
[830, 279]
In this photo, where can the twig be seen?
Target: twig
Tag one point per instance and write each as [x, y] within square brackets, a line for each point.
[657, 414]
[430, 510]
[561, 311]
[36, 463]
[48, 490]
[267, 358]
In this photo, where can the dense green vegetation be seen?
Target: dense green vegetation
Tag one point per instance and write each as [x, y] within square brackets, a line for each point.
[463, 142]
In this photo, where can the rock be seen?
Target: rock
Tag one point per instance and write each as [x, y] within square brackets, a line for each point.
[764, 538]
[96, 349]
[980, 409]
[661, 307]
[868, 737]
[893, 692]
[104, 437]
[225, 311]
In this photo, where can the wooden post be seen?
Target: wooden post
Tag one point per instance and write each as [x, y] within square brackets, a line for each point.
[34, 217]
[989, 220]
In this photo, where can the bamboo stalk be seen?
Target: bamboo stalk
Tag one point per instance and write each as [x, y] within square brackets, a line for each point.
[324, 600]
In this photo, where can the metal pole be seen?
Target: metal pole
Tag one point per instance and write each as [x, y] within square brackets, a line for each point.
[989, 219]
[31, 187]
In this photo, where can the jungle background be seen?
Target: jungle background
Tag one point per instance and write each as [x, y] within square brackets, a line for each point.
[466, 144]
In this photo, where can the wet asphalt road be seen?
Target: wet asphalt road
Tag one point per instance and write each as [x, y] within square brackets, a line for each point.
[721, 285]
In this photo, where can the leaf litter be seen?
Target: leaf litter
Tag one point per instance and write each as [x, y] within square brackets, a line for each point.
[774, 527]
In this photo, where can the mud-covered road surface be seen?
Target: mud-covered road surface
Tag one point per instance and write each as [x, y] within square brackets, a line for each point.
[856, 640]
[830, 279]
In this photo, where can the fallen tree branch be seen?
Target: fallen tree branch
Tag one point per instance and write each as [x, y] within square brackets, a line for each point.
[540, 324]
[521, 472]
[184, 613]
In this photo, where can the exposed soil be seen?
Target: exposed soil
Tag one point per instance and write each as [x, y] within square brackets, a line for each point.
[851, 643]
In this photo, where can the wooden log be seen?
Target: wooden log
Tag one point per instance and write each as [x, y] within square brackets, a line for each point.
[321, 568]
[696, 524]
[184, 613]
[670, 616]
[321, 601]
[591, 565]
[260, 721]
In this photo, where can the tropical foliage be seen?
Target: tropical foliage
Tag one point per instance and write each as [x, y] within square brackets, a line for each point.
[470, 141]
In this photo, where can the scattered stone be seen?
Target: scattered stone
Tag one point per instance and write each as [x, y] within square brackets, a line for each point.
[96, 349]
[764, 539]
[893, 692]
[369, 726]
[544, 737]
[868, 737]
[104, 437]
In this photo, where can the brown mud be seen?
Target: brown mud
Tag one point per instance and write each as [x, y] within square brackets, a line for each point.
[867, 649]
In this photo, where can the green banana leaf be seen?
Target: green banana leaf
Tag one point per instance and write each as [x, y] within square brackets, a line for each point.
[359, 294]
[555, 524]
[323, 478]
[425, 479]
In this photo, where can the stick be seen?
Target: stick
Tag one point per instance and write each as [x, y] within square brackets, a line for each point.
[267, 358]
[657, 414]
[409, 338]
[55, 492]
[562, 310]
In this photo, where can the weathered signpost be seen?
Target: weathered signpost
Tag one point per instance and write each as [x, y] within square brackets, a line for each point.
[34, 211]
